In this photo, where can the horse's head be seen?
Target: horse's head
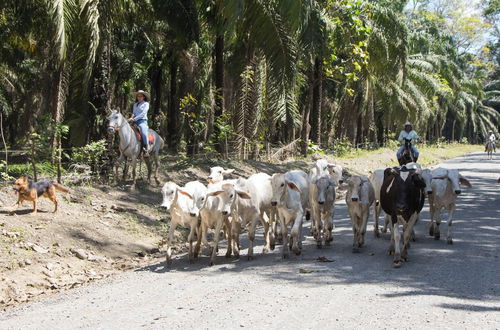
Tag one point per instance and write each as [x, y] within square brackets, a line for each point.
[115, 122]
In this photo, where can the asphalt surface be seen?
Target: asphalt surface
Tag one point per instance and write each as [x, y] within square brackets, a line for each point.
[441, 286]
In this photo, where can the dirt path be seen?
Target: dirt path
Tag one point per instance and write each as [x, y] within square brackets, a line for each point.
[450, 286]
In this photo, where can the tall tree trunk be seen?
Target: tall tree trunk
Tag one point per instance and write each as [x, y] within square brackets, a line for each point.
[156, 89]
[173, 109]
[306, 128]
[57, 111]
[219, 84]
[315, 119]
[100, 92]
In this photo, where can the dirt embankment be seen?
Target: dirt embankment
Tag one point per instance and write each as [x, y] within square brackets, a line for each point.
[101, 230]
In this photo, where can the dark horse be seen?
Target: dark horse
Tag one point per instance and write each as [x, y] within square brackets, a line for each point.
[407, 156]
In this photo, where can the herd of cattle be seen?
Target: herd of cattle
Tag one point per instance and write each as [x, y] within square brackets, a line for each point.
[284, 200]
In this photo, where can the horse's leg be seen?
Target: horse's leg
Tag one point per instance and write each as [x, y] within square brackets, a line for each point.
[134, 165]
[117, 165]
[157, 165]
[149, 167]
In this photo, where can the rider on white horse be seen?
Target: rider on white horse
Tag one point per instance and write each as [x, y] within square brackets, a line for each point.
[491, 138]
[409, 134]
[140, 117]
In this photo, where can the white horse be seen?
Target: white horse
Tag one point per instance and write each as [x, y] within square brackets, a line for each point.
[130, 147]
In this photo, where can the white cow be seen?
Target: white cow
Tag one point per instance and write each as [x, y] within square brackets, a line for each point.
[215, 214]
[290, 196]
[217, 174]
[183, 205]
[322, 205]
[322, 166]
[359, 198]
[251, 211]
[445, 189]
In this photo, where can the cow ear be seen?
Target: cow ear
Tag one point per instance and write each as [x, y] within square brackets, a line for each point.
[464, 181]
[418, 181]
[228, 171]
[185, 193]
[243, 194]
[215, 193]
[293, 186]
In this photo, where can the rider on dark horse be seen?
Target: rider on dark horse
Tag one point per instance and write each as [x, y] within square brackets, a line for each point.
[407, 135]
[140, 118]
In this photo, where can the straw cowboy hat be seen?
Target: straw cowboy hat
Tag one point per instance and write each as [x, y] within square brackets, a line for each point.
[146, 94]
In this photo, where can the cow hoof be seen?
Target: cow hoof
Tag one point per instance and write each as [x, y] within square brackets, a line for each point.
[450, 241]
[168, 261]
[384, 230]
[390, 250]
[272, 247]
[431, 230]
[328, 242]
[355, 249]
[319, 245]
[249, 258]
[377, 233]
[437, 236]
[285, 256]
[397, 264]
[228, 255]
[210, 263]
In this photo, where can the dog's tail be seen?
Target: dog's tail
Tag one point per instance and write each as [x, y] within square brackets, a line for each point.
[61, 188]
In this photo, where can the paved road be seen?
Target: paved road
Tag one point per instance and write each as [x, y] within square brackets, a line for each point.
[442, 286]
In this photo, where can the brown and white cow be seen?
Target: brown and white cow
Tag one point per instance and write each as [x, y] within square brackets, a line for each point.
[402, 197]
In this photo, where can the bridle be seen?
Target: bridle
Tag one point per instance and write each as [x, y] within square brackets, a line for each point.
[116, 127]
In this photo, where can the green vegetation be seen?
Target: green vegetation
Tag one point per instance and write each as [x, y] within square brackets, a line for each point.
[244, 78]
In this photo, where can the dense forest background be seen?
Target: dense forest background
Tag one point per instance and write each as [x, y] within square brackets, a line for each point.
[246, 75]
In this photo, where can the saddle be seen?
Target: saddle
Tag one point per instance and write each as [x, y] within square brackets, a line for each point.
[137, 130]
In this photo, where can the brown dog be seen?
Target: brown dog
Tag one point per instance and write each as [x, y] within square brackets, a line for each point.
[30, 191]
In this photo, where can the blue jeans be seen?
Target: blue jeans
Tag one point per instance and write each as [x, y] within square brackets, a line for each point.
[400, 151]
[143, 125]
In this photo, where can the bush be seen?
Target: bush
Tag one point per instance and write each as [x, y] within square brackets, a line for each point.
[45, 169]
[92, 154]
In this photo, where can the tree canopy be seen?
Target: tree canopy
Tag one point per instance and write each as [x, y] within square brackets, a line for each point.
[237, 75]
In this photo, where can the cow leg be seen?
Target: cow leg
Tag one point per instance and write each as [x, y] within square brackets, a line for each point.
[267, 235]
[218, 229]
[202, 239]
[397, 250]
[376, 214]
[449, 238]
[235, 232]
[170, 238]
[319, 228]
[437, 231]
[227, 225]
[251, 235]
[327, 227]
[272, 228]
[296, 233]
[284, 236]
[364, 224]
[407, 234]
[192, 232]
[391, 246]
[387, 220]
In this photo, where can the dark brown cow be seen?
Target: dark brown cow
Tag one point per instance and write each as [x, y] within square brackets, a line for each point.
[402, 197]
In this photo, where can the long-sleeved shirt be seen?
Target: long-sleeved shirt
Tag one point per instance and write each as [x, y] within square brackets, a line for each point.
[141, 111]
[492, 137]
[404, 134]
